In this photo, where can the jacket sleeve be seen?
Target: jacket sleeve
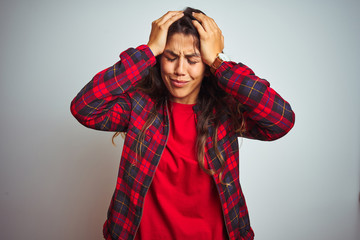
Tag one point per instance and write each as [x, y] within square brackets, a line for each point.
[267, 115]
[104, 103]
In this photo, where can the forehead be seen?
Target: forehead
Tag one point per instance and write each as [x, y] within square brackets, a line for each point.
[182, 44]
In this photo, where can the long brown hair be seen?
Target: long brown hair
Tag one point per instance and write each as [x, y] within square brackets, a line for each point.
[212, 101]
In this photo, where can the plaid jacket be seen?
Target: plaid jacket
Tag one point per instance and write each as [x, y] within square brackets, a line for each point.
[109, 102]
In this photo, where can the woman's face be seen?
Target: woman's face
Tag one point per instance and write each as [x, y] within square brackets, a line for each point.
[182, 68]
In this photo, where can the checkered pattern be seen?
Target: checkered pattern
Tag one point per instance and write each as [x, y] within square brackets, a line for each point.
[110, 103]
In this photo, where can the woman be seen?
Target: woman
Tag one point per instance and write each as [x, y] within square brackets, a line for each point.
[182, 108]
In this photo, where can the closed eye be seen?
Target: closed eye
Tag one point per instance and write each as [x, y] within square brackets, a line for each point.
[170, 59]
[192, 62]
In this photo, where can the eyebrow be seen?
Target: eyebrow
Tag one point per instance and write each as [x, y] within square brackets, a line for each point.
[186, 55]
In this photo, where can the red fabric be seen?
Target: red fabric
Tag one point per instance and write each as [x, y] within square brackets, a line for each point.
[109, 102]
[182, 202]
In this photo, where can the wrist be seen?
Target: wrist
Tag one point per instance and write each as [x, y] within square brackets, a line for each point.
[153, 50]
[220, 58]
[210, 60]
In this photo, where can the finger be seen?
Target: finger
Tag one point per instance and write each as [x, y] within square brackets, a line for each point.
[207, 22]
[168, 16]
[173, 19]
[199, 28]
[202, 18]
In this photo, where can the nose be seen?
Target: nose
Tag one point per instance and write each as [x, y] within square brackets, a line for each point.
[180, 67]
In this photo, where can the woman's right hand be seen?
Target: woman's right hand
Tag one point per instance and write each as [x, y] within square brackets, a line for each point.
[159, 31]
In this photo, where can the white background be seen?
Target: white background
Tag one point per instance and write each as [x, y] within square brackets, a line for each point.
[57, 177]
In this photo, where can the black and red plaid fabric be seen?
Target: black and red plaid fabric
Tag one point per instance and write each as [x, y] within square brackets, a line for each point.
[110, 103]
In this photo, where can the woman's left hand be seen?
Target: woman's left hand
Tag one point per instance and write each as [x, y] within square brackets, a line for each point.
[211, 38]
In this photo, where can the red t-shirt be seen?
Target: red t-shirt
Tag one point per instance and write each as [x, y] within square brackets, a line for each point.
[182, 202]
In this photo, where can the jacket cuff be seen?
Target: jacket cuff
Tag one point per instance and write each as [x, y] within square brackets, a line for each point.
[223, 67]
[147, 51]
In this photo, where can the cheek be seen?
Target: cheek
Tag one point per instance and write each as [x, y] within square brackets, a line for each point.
[165, 72]
[197, 72]
[165, 67]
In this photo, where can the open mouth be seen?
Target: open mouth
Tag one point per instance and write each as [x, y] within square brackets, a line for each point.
[178, 83]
